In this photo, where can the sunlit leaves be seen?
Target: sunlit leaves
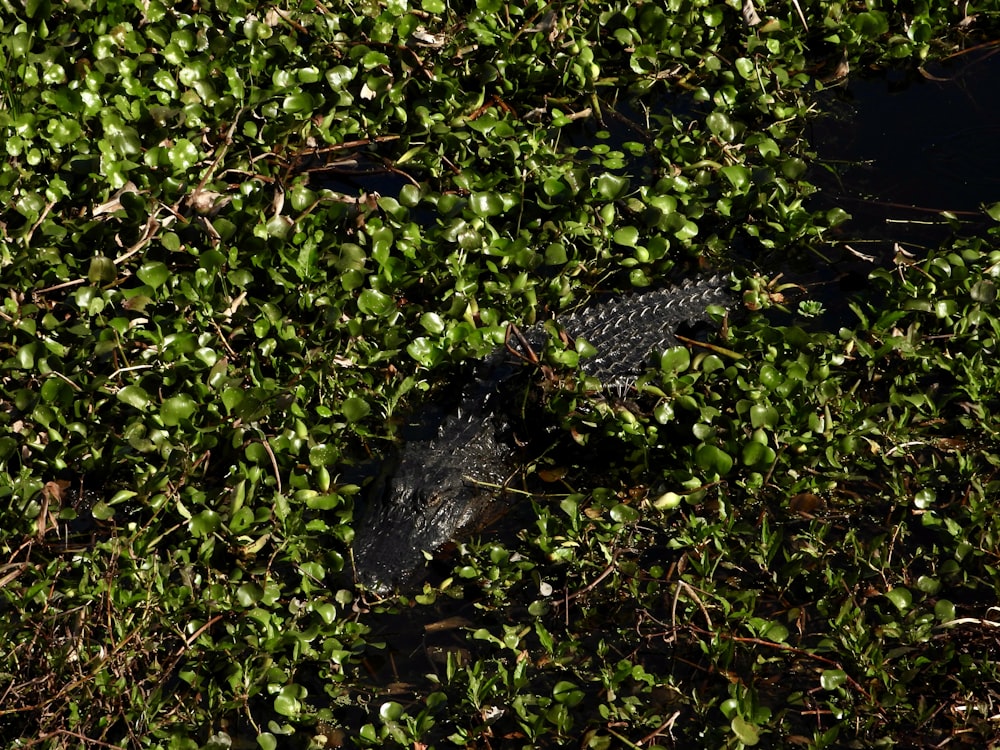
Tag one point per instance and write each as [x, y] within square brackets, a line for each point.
[318, 211]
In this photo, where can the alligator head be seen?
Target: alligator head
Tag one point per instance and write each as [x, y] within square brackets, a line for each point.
[441, 489]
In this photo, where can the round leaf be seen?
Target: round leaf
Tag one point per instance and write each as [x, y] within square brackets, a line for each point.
[711, 458]
[134, 396]
[153, 273]
[175, 410]
[745, 732]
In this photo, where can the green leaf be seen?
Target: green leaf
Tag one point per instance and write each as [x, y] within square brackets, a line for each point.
[324, 455]
[432, 323]
[755, 454]
[763, 415]
[288, 702]
[738, 175]
[567, 693]
[486, 204]
[721, 126]
[555, 254]
[831, 679]
[134, 396]
[153, 273]
[390, 711]
[745, 732]
[205, 523]
[102, 511]
[901, 597]
[627, 236]
[183, 155]
[102, 270]
[675, 360]
[296, 103]
[610, 187]
[746, 68]
[176, 409]
[339, 76]
[711, 458]
[355, 409]
[372, 302]
[622, 513]
[944, 610]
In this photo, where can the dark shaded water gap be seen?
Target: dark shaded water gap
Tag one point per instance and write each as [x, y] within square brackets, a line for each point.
[901, 148]
[913, 156]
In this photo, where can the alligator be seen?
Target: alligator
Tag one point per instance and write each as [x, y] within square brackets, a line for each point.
[449, 484]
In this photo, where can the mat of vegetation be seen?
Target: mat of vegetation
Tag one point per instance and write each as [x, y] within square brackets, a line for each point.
[239, 240]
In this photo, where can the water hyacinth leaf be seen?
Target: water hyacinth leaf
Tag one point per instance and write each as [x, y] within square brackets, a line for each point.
[622, 513]
[738, 175]
[901, 597]
[183, 155]
[288, 702]
[675, 360]
[928, 585]
[755, 453]
[745, 732]
[711, 458]
[627, 236]
[232, 398]
[924, 498]
[323, 455]
[794, 168]
[984, 291]
[176, 409]
[102, 270]
[872, 24]
[324, 502]
[432, 322]
[296, 103]
[355, 409]
[248, 594]
[567, 693]
[832, 679]
[745, 67]
[382, 239]
[425, 351]
[26, 355]
[204, 523]
[102, 511]
[486, 204]
[153, 273]
[763, 415]
[327, 611]
[584, 348]
[610, 187]
[372, 302]
[555, 254]
[279, 227]
[721, 126]
[134, 396]
[390, 711]
[944, 610]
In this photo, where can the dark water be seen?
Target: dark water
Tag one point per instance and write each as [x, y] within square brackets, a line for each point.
[908, 146]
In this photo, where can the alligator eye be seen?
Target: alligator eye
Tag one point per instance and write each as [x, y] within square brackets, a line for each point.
[432, 499]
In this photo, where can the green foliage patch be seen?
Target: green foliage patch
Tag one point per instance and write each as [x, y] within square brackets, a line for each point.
[239, 239]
